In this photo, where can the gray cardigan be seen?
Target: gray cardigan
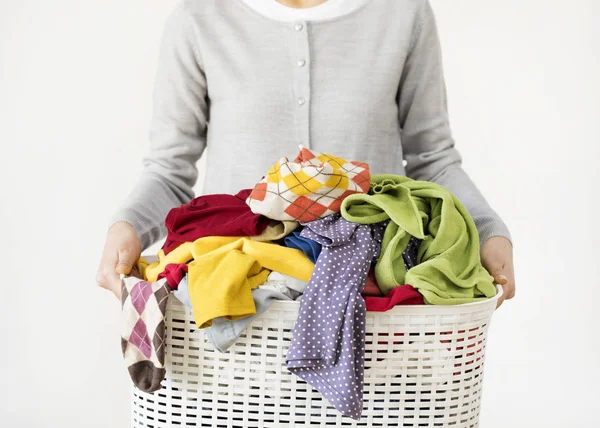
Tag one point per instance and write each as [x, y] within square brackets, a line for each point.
[365, 86]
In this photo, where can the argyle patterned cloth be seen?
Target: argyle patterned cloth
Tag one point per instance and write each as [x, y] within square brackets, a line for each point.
[311, 187]
[143, 338]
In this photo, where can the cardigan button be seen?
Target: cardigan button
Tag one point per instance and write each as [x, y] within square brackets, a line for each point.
[301, 101]
[298, 27]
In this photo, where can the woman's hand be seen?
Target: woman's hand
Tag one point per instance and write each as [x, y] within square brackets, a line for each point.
[497, 258]
[121, 251]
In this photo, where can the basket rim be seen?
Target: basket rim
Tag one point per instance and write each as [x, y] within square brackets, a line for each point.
[423, 309]
[499, 292]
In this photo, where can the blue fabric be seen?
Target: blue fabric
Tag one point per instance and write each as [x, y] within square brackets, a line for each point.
[182, 292]
[223, 333]
[311, 248]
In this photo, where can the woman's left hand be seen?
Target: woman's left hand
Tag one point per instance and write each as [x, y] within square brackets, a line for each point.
[497, 258]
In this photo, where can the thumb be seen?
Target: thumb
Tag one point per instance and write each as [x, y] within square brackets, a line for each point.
[496, 269]
[125, 262]
[499, 277]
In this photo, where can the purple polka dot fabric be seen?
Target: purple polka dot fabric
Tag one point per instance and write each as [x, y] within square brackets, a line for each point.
[328, 347]
[411, 252]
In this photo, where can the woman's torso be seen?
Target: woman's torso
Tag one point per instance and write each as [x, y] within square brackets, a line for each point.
[330, 85]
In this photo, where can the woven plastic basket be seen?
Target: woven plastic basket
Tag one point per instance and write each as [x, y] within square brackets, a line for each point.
[423, 368]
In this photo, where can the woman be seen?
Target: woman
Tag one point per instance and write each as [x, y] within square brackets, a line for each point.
[250, 80]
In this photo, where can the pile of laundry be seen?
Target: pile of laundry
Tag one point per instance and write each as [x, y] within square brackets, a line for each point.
[320, 230]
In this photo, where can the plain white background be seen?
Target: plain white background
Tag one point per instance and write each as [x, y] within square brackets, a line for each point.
[75, 103]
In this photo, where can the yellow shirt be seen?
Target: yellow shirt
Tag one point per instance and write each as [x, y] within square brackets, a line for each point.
[224, 270]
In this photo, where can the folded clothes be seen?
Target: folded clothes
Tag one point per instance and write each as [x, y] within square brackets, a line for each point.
[311, 187]
[448, 269]
[311, 248]
[402, 295]
[212, 215]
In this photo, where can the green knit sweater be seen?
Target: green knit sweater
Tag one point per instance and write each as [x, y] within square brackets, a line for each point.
[449, 269]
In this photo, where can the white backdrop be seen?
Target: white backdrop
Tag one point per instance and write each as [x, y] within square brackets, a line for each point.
[75, 102]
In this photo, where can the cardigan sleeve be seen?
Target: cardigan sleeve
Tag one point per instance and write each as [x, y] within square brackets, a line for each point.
[177, 132]
[427, 141]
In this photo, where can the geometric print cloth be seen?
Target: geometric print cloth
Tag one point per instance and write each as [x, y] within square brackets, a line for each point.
[143, 337]
[311, 187]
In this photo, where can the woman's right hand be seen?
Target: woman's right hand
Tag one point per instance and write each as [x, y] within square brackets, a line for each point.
[122, 250]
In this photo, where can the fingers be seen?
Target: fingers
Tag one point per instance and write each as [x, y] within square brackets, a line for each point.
[500, 301]
[122, 249]
[508, 292]
[497, 258]
[508, 287]
[506, 278]
[501, 279]
[125, 261]
[115, 282]
[108, 278]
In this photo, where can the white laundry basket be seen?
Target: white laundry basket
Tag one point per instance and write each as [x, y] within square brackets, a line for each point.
[423, 368]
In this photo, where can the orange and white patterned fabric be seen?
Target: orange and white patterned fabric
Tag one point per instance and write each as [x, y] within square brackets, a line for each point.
[311, 187]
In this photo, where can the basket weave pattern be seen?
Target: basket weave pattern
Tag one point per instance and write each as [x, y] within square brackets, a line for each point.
[423, 368]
